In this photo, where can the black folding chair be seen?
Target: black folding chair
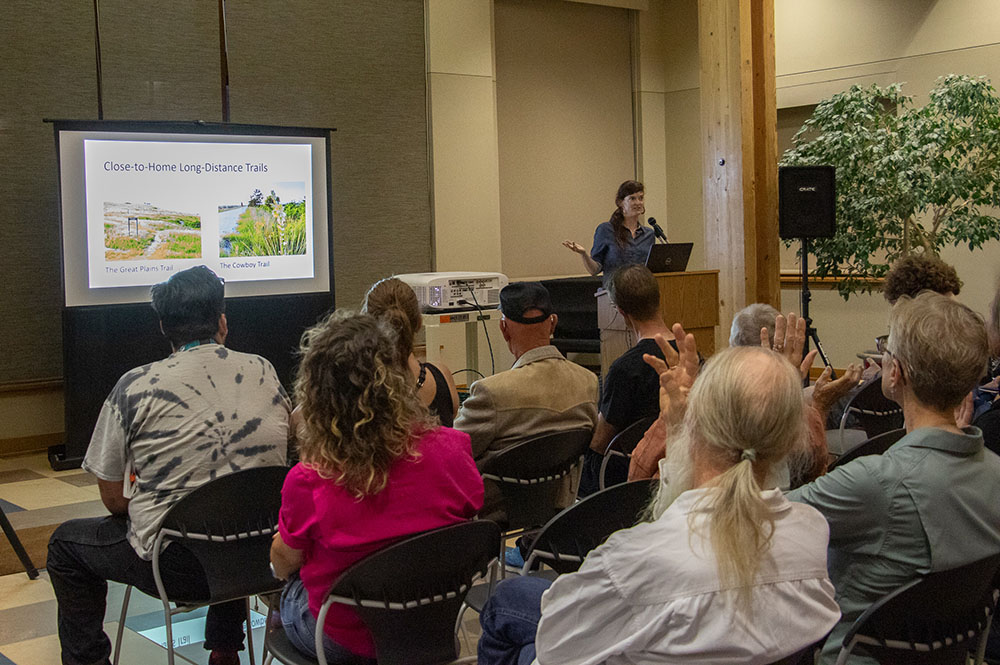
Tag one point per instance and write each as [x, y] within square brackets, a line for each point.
[568, 538]
[15, 542]
[873, 446]
[875, 412]
[227, 524]
[935, 620]
[614, 466]
[408, 595]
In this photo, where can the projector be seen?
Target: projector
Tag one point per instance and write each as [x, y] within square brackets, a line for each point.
[451, 291]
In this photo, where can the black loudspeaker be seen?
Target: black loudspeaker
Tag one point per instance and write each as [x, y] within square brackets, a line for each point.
[806, 202]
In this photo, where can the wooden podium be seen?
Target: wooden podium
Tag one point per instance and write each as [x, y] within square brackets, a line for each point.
[691, 298]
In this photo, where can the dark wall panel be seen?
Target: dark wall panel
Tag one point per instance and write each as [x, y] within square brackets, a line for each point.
[161, 60]
[46, 70]
[357, 66]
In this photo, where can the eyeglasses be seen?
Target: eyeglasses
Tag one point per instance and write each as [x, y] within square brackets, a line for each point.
[882, 343]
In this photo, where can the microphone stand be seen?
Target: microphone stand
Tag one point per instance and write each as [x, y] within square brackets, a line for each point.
[811, 333]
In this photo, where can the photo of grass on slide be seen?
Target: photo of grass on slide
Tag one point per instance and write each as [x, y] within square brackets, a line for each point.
[137, 231]
[265, 225]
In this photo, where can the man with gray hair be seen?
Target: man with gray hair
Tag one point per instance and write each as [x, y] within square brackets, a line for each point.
[932, 501]
[748, 323]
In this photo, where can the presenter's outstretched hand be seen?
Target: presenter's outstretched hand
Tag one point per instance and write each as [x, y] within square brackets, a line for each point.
[575, 246]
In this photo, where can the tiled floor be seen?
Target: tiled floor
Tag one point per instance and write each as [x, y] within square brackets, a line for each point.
[37, 499]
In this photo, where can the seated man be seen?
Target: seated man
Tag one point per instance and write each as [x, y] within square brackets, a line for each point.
[166, 429]
[932, 501]
[726, 571]
[542, 393]
[630, 390]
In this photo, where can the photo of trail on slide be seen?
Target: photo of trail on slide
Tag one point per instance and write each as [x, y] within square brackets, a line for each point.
[142, 231]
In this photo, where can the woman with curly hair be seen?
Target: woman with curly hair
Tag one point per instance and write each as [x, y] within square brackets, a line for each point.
[375, 467]
[395, 302]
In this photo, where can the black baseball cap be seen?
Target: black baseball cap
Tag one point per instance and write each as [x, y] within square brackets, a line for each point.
[519, 297]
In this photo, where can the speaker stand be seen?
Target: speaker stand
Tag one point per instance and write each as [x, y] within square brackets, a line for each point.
[811, 333]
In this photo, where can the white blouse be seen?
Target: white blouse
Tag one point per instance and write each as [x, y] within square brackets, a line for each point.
[651, 594]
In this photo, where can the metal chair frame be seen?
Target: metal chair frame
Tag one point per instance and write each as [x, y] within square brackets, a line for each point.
[885, 409]
[276, 646]
[622, 445]
[166, 535]
[930, 637]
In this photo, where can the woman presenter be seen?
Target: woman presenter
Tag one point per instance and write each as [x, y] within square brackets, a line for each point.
[621, 240]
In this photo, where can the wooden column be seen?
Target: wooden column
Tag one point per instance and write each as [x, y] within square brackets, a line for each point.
[739, 148]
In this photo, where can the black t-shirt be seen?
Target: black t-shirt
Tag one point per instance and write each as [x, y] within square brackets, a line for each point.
[631, 389]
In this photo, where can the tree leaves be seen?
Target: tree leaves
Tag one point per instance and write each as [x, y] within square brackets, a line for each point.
[924, 174]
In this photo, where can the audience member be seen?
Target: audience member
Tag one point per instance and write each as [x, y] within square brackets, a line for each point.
[394, 301]
[914, 273]
[166, 429]
[542, 393]
[761, 325]
[375, 467]
[932, 501]
[726, 571]
[987, 417]
[631, 388]
[749, 323]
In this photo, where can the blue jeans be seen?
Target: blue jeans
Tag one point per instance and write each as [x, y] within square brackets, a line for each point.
[510, 621]
[300, 627]
[85, 554]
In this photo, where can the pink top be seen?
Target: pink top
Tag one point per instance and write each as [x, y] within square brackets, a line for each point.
[334, 529]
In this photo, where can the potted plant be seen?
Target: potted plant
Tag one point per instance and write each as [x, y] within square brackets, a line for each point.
[908, 178]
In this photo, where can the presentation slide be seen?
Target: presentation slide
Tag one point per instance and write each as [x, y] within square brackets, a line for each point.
[253, 209]
[241, 209]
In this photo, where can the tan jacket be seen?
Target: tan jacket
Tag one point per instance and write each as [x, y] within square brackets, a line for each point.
[542, 393]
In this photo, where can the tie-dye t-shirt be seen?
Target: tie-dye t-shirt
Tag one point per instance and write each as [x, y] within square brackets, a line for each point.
[182, 421]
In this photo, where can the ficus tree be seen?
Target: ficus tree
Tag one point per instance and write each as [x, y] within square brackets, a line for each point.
[909, 179]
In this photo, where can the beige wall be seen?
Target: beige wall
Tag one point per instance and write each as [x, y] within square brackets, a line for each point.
[564, 120]
[461, 100]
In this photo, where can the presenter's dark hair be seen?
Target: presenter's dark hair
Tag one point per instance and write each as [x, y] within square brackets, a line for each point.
[626, 189]
[633, 289]
[189, 305]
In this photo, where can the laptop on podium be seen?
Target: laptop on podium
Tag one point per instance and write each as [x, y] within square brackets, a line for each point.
[669, 257]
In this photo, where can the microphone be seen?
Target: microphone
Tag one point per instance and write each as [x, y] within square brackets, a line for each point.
[657, 230]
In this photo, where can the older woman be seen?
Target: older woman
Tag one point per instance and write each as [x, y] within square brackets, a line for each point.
[394, 301]
[374, 468]
[727, 570]
[622, 239]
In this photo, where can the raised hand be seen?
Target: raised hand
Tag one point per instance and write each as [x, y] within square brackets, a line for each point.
[789, 340]
[574, 246]
[677, 372]
[826, 392]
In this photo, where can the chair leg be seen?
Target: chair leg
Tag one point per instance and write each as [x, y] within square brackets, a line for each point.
[15, 542]
[161, 590]
[121, 623]
[983, 638]
[250, 633]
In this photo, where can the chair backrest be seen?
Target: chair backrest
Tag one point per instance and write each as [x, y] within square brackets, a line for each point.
[409, 594]
[227, 524]
[873, 446]
[565, 541]
[529, 474]
[614, 466]
[934, 619]
[875, 412]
